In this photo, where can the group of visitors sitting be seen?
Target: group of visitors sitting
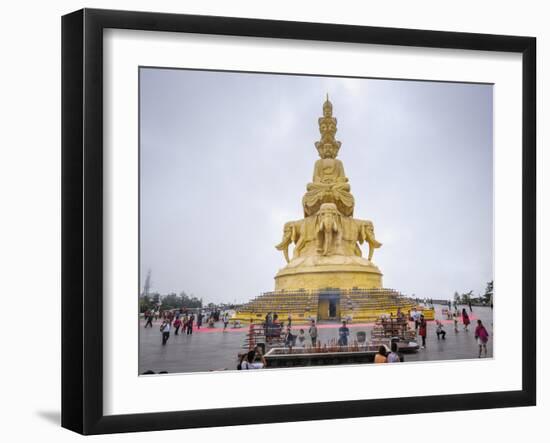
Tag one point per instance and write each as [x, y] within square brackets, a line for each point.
[384, 357]
[253, 359]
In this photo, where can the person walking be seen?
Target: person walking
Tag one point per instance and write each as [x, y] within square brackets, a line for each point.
[465, 319]
[149, 321]
[225, 322]
[381, 356]
[343, 334]
[482, 337]
[177, 324]
[415, 317]
[190, 324]
[290, 339]
[313, 334]
[422, 330]
[199, 320]
[470, 305]
[183, 320]
[439, 330]
[165, 330]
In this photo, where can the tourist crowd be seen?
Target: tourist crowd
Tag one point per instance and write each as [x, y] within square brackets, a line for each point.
[174, 320]
[278, 333]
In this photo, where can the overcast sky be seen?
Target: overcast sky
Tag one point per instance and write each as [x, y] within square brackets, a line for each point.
[225, 159]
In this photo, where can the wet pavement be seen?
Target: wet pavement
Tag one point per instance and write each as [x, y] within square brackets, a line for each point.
[210, 349]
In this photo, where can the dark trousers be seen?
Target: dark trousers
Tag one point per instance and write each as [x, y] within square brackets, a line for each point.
[165, 337]
[314, 341]
[189, 330]
[177, 329]
[149, 322]
[423, 340]
[442, 333]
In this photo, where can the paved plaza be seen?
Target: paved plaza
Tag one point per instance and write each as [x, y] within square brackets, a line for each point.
[209, 349]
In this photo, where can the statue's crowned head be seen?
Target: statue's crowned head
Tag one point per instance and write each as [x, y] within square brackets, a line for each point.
[328, 146]
[327, 108]
[327, 150]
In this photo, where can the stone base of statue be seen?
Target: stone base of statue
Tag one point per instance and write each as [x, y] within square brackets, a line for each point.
[334, 271]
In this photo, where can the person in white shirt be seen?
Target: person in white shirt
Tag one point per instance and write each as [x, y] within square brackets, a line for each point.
[225, 321]
[415, 315]
[313, 333]
[165, 329]
[393, 356]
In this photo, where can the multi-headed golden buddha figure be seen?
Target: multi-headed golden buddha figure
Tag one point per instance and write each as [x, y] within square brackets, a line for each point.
[330, 184]
[327, 240]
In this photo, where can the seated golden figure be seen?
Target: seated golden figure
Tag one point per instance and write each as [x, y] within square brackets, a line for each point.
[330, 184]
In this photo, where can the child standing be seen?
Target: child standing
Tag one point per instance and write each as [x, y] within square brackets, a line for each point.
[482, 337]
[439, 330]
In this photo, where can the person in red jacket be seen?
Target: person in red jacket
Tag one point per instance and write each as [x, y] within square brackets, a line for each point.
[176, 324]
[482, 337]
[465, 319]
[422, 330]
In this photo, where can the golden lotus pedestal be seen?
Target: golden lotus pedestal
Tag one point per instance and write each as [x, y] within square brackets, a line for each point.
[335, 271]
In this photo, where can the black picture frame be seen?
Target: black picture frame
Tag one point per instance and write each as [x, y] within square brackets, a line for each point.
[82, 218]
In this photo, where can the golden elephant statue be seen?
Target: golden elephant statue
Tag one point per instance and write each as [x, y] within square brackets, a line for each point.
[292, 233]
[365, 233]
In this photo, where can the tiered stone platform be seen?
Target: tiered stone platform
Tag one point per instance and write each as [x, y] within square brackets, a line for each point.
[369, 304]
[359, 305]
[301, 305]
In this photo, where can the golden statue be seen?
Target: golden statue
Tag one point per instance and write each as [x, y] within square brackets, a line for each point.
[327, 277]
[330, 184]
[327, 240]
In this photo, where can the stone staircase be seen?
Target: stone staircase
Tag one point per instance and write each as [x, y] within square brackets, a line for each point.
[357, 305]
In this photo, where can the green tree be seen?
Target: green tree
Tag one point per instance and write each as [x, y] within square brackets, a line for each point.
[190, 301]
[170, 301]
[488, 295]
[456, 298]
[467, 297]
[145, 303]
